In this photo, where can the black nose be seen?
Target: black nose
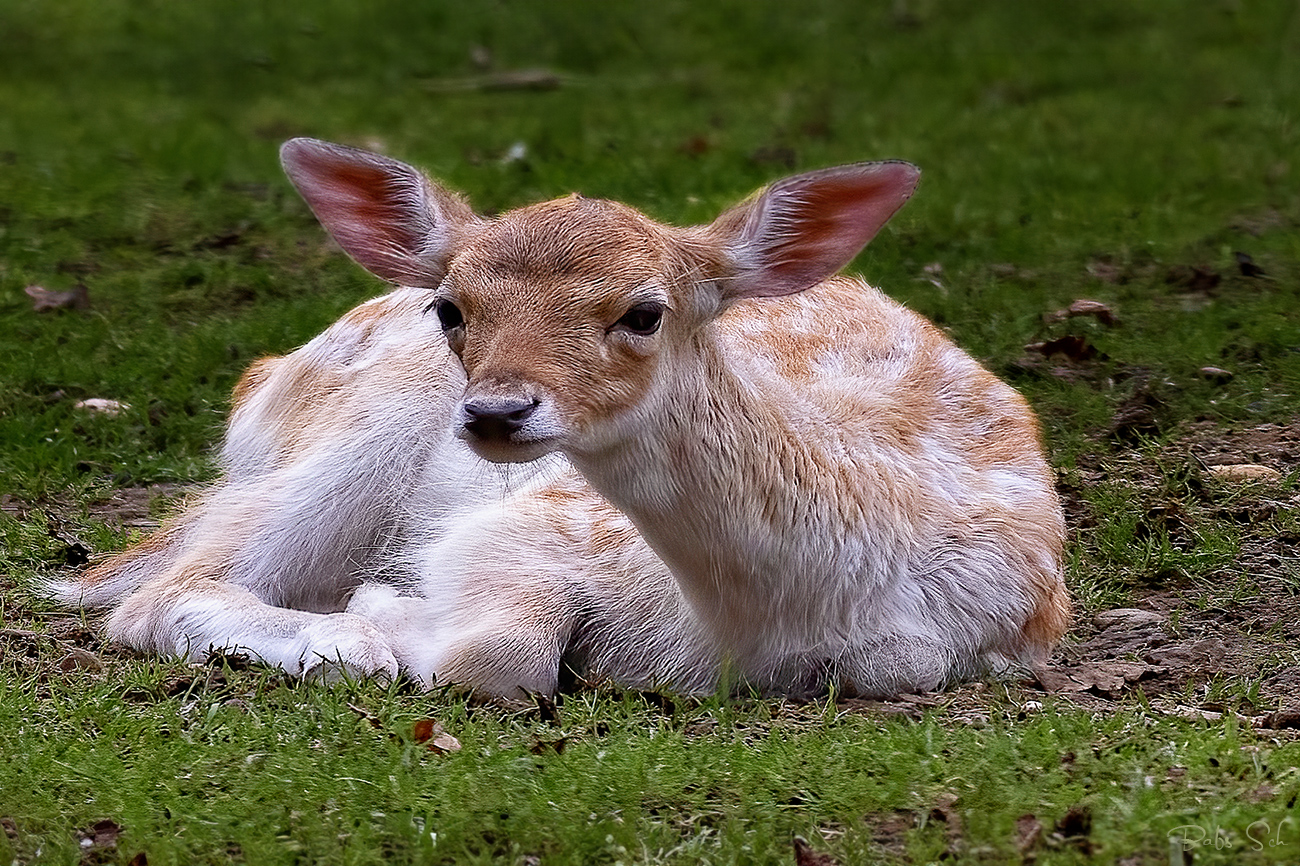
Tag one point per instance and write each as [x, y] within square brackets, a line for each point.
[496, 418]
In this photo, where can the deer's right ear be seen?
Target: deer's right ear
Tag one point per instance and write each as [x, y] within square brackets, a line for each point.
[803, 229]
[393, 220]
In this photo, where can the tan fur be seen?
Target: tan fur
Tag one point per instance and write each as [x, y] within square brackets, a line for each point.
[715, 453]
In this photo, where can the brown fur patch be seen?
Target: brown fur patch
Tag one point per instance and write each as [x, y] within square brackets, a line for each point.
[253, 377]
[1051, 616]
[540, 290]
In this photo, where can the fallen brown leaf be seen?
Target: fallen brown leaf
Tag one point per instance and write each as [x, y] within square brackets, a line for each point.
[1075, 829]
[79, 659]
[1285, 718]
[76, 298]
[434, 737]
[696, 145]
[1196, 279]
[101, 835]
[1244, 472]
[1194, 653]
[1248, 267]
[1029, 834]
[515, 79]
[1128, 617]
[1218, 375]
[1085, 307]
[1107, 271]
[1077, 821]
[804, 855]
[1104, 677]
[1073, 347]
[541, 747]
[547, 709]
[102, 406]
[944, 812]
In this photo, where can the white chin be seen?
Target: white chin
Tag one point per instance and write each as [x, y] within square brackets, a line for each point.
[510, 452]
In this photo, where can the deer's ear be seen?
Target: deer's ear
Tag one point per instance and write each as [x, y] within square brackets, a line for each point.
[801, 230]
[397, 224]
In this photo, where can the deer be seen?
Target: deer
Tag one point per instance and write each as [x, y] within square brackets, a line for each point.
[575, 444]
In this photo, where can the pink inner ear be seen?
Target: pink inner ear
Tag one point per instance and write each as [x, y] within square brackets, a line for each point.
[375, 208]
[811, 226]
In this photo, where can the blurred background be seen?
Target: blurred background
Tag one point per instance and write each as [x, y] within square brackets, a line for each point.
[1068, 149]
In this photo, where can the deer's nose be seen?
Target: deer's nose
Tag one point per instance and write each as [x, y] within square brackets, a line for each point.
[496, 418]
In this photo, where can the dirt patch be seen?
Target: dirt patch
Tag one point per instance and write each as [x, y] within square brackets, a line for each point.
[1199, 645]
[123, 507]
[141, 508]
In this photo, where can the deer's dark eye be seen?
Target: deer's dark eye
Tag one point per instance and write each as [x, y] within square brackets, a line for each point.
[643, 319]
[449, 315]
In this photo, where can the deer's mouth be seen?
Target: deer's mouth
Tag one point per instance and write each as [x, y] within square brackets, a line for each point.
[505, 429]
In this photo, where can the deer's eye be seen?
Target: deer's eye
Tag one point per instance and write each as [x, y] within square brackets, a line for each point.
[642, 320]
[449, 315]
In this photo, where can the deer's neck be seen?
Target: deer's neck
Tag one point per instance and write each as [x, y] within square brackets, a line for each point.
[738, 502]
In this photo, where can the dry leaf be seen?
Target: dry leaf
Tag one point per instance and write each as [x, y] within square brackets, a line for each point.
[1248, 267]
[541, 747]
[79, 659]
[517, 79]
[1106, 271]
[1029, 834]
[804, 855]
[1075, 829]
[696, 145]
[1077, 821]
[1195, 653]
[100, 835]
[76, 298]
[1218, 375]
[1244, 472]
[1073, 347]
[1105, 677]
[1085, 307]
[944, 812]
[1128, 617]
[547, 709]
[1198, 280]
[1286, 717]
[102, 406]
[434, 737]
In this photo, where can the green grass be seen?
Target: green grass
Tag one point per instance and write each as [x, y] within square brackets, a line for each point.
[1096, 150]
[255, 770]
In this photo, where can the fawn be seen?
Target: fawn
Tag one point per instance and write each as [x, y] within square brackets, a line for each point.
[718, 457]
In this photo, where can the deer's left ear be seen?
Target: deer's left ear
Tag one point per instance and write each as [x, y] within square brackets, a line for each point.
[799, 231]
